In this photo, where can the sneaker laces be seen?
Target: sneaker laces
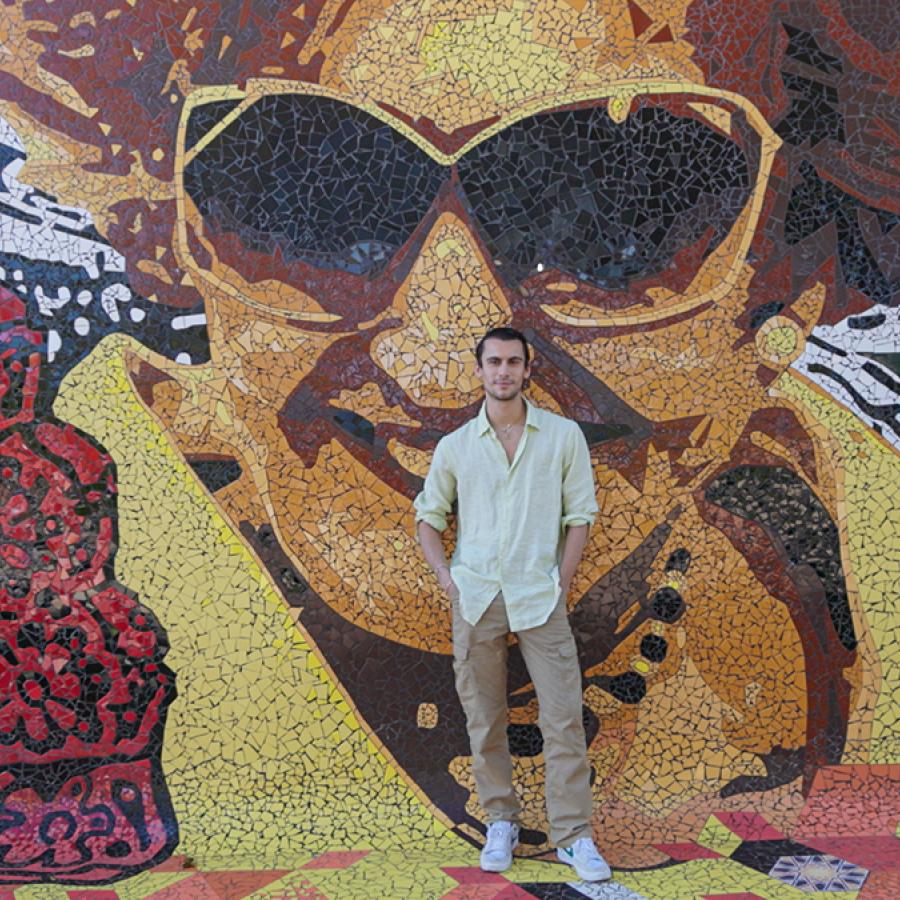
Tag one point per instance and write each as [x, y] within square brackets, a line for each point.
[498, 835]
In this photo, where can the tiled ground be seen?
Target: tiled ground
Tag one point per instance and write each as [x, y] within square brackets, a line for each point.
[844, 844]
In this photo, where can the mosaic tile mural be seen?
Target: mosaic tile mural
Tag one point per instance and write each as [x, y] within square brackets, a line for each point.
[246, 247]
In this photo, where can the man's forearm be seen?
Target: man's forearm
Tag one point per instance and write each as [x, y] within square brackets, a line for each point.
[573, 547]
[433, 550]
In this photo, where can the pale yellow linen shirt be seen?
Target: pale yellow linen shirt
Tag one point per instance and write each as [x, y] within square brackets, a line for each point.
[511, 519]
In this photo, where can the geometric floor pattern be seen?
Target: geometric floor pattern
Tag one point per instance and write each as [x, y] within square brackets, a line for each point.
[845, 845]
[348, 875]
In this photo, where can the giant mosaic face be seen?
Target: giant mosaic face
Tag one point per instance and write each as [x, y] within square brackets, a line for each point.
[353, 237]
[353, 234]
[592, 174]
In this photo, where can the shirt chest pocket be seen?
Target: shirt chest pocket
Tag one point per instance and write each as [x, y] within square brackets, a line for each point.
[542, 478]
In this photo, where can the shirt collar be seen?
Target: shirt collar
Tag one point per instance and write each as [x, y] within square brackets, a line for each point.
[532, 417]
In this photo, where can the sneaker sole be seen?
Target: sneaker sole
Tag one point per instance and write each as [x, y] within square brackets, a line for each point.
[594, 879]
[496, 868]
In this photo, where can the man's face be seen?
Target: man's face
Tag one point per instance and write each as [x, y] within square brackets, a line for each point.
[503, 369]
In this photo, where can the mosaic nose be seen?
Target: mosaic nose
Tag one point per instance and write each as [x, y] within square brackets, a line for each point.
[449, 299]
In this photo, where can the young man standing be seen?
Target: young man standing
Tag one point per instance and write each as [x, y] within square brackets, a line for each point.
[523, 482]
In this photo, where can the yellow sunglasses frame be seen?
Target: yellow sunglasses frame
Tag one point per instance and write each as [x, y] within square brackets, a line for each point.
[619, 94]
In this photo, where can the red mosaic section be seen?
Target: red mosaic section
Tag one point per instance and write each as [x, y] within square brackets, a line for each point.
[91, 829]
[92, 895]
[233, 885]
[74, 687]
[467, 875]
[881, 886]
[81, 669]
[336, 859]
[873, 852]
[196, 887]
[475, 892]
[82, 677]
[851, 800]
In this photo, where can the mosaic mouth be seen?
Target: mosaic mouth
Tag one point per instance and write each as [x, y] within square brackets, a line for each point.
[388, 448]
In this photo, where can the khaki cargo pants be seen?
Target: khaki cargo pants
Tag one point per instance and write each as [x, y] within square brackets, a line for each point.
[479, 661]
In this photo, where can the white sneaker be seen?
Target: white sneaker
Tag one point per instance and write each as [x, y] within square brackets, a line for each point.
[583, 857]
[502, 839]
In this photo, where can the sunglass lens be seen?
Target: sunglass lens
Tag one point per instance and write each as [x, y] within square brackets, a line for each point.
[314, 180]
[604, 202]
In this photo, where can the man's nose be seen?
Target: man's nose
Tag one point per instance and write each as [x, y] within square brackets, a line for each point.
[447, 302]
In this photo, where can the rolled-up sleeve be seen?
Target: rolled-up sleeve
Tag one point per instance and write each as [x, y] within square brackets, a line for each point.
[579, 500]
[436, 498]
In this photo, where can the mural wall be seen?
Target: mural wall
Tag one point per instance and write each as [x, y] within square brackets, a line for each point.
[246, 249]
